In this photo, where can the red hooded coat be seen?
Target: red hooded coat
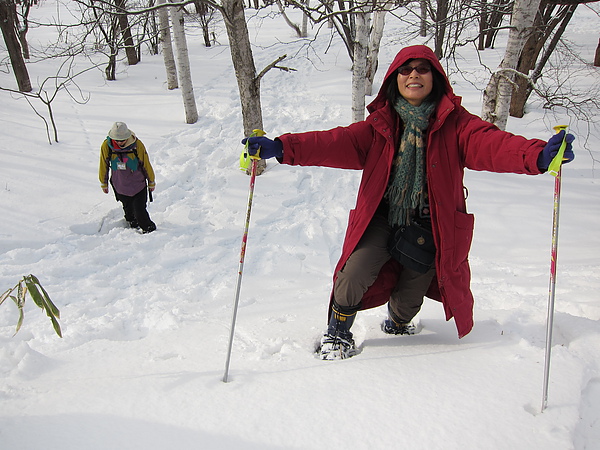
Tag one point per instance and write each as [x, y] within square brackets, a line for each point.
[456, 140]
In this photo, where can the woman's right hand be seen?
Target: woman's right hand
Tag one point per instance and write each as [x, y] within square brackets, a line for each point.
[263, 147]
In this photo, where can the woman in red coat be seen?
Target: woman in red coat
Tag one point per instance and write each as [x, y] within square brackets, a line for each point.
[410, 233]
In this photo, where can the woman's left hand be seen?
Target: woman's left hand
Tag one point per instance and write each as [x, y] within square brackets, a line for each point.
[551, 149]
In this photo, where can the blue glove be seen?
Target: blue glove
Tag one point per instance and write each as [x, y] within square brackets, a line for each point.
[551, 149]
[268, 148]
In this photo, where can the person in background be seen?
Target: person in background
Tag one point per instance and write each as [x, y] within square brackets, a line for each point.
[123, 157]
[410, 234]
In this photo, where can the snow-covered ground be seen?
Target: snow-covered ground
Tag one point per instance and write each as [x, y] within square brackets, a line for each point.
[146, 318]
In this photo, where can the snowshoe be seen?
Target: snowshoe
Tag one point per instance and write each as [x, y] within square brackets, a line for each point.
[334, 347]
[337, 342]
[388, 326]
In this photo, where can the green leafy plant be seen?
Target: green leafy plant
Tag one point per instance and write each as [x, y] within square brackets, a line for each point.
[29, 283]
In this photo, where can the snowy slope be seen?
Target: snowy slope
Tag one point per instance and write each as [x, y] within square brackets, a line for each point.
[146, 318]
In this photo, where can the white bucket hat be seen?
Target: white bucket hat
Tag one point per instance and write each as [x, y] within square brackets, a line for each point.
[120, 132]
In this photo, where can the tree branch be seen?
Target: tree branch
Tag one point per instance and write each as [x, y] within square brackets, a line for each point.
[274, 65]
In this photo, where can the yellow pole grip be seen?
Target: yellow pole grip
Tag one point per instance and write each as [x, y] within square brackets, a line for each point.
[555, 164]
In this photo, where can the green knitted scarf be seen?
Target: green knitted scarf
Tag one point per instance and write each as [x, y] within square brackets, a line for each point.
[407, 180]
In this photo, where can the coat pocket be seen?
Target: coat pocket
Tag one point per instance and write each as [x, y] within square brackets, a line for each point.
[464, 224]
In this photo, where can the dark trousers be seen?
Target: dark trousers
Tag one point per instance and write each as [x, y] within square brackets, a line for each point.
[135, 210]
[363, 266]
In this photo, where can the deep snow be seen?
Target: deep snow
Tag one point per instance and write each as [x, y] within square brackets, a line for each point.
[146, 318]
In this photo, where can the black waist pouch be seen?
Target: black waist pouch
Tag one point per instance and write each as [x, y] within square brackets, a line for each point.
[413, 247]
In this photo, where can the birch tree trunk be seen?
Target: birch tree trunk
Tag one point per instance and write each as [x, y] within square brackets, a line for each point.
[530, 56]
[305, 19]
[359, 66]
[243, 64]
[245, 70]
[373, 50]
[423, 27]
[183, 61]
[497, 94]
[167, 46]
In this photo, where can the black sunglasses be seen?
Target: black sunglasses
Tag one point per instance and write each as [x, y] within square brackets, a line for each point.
[407, 70]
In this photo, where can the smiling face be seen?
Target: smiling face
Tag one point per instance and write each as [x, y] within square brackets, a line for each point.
[416, 85]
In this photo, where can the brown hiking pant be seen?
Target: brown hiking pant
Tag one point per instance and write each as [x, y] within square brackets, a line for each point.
[363, 266]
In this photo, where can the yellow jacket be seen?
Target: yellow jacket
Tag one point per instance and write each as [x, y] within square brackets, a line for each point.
[129, 167]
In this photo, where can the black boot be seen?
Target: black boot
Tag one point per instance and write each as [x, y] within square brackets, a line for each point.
[338, 343]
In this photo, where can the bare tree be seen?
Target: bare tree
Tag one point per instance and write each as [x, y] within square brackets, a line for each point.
[536, 29]
[8, 24]
[183, 61]
[205, 13]
[300, 31]
[241, 53]
[373, 50]
[547, 21]
[490, 21]
[113, 28]
[352, 22]
[23, 24]
[243, 64]
[48, 90]
[106, 24]
[423, 28]
[497, 94]
[305, 20]
[129, 45]
[248, 79]
[359, 67]
[441, 23]
[167, 46]
[149, 33]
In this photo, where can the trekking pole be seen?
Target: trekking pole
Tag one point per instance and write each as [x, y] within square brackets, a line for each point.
[555, 169]
[254, 159]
